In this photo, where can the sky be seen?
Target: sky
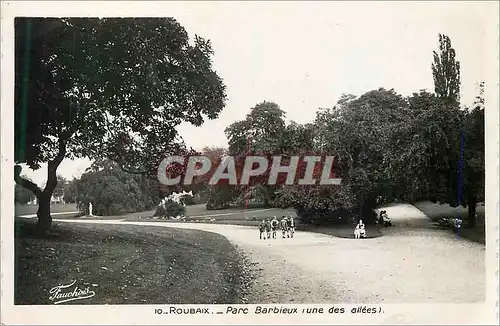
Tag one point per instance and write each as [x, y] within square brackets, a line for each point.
[303, 56]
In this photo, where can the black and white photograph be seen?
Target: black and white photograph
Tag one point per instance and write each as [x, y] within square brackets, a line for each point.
[263, 162]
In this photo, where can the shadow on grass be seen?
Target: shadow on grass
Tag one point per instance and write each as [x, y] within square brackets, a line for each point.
[340, 231]
[127, 264]
[436, 212]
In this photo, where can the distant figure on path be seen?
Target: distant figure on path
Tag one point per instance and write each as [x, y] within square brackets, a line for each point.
[291, 226]
[262, 229]
[90, 209]
[274, 226]
[386, 220]
[284, 224]
[357, 232]
[360, 231]
[268, 228]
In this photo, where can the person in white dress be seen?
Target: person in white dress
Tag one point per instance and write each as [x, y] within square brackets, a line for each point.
[356, 232]
[360, 231]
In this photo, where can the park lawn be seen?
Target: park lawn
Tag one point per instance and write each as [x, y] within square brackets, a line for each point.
[129, 216]
[339, 231]
[128, 264]
[54, 208]
[436, 211]
[252, 217]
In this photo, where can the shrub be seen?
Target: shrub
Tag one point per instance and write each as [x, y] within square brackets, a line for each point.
[112, 191]
[169, 207]
[214, 203]
[116, 209]
[188, 200]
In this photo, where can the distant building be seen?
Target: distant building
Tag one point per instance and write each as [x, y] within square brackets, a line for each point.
[57, 199]
[53, 200]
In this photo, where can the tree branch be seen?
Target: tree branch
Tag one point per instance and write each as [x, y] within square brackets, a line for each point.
[52, 167]
[60, 155]
[74, 126]
[129, 171]
[25, 183]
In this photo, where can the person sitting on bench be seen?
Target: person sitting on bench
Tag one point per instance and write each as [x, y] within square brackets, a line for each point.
[360, 230]
[386, 219]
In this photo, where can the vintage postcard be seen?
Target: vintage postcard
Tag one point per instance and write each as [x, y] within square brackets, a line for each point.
[249, 163]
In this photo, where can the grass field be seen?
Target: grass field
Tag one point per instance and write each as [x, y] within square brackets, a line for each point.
[437, 211]
[252, 217]
[54, 208]
[132, 264]
[127, 264]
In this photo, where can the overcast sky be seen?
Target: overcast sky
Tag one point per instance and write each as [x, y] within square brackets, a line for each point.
[303, 56]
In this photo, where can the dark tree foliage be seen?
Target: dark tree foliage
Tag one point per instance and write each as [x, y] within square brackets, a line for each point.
[474, 156]
[113, 88]
[265, 132]
[113, 191]
[446, 71]
[70, 191]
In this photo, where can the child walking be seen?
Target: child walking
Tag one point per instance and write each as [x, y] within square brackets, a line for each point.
[262, 229]
[274, 226]
[268, 228]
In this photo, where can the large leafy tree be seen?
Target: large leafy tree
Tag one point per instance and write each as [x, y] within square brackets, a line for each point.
[474, 168]
[265, 132]
[446, 74]
[260, 131]
[113, 191]
[107, 88]
[423, 150]
[202, 190]
[61, 185]
[469, 183]
[446, 71]
[298, 138]
[358, 133]
[70, 192]
[214, 153]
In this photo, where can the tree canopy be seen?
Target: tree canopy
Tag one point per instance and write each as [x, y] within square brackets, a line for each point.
[446, 71]
[112, 88]
[115, 89]
[113, 191]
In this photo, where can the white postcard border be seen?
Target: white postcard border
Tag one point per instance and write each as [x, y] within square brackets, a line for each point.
[144, 314]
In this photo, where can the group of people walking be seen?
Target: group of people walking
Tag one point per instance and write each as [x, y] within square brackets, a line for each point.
[268, 228]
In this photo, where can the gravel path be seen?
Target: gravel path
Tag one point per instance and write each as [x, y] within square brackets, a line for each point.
[411, 263]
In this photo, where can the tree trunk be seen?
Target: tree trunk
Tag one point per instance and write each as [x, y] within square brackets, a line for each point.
[43, 214]
[471, 205]
[266, 202]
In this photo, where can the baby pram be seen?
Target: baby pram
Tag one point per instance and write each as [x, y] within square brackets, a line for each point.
[384, 219]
